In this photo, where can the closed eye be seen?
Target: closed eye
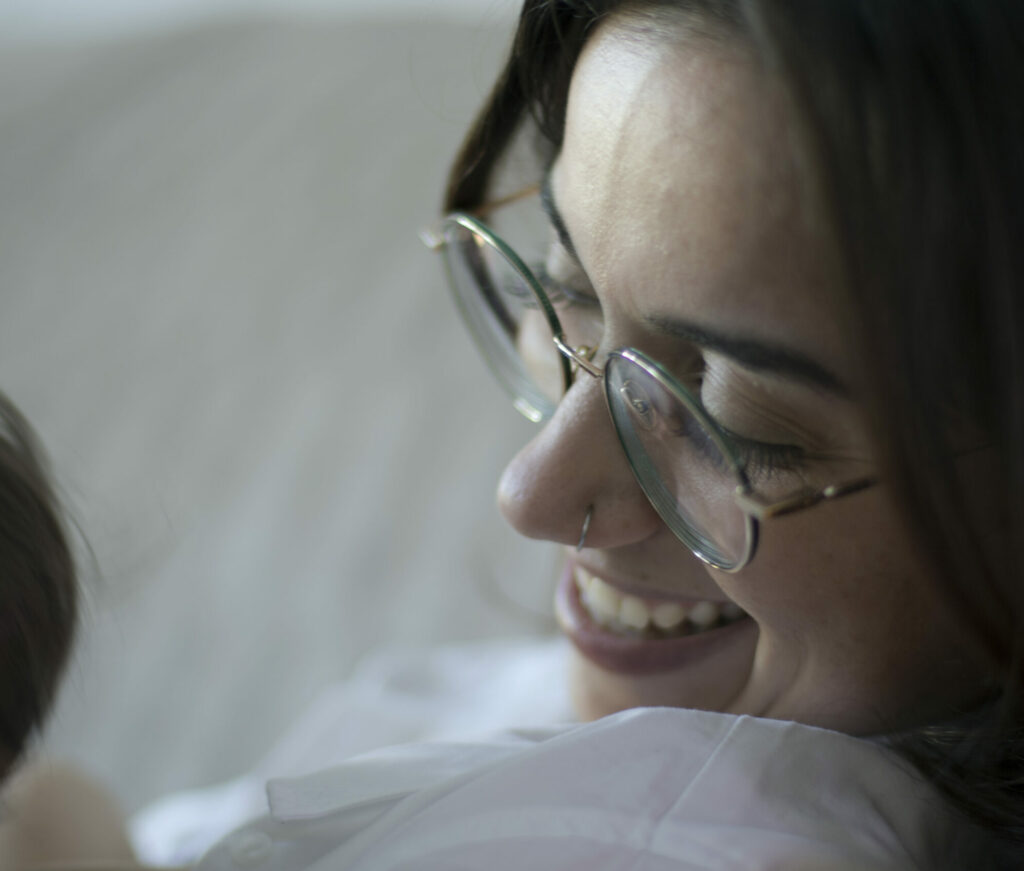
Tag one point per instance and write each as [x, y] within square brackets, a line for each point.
[757, 459]
[761, 459]
[558, 291]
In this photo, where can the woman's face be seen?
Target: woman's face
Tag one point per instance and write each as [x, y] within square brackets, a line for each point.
[686, 215]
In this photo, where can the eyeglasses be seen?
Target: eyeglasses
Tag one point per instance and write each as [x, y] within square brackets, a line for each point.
[710, 486]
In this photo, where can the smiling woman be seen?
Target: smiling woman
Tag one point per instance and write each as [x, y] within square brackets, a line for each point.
[820, 311]
[761, 290]
[741, 390]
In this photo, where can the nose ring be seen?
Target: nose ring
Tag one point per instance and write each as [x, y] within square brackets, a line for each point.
[586, 528]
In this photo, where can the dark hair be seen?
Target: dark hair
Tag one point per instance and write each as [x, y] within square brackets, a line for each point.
[38, 593]
[911, 116]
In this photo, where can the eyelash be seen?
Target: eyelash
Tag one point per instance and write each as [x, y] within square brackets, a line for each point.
[763, 459]
[758, 460]
[558, 291]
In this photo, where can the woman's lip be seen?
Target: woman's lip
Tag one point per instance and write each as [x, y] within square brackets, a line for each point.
[636, 656]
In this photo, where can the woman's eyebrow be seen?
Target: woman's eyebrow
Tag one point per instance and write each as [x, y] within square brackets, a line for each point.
[754, 354]
[547, 201]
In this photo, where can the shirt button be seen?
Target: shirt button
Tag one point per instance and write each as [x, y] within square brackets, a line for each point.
[249, 849]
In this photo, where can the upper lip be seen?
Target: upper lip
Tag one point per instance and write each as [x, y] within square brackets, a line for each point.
[642, 591]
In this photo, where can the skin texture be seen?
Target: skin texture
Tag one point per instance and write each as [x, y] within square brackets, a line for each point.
[58, 817]
[680, 184]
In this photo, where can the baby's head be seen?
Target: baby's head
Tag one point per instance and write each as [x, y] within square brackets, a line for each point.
[38, 596]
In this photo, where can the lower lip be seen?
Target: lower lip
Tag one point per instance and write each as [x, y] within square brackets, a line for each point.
[625, 655]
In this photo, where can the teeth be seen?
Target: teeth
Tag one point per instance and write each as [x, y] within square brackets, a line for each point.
[668, 615]
[603, 600]
[704, 614]
[582, 579]
[631, 615]
[634, 613]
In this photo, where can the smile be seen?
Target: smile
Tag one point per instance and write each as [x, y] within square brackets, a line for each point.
[631, 615]
[626, 633]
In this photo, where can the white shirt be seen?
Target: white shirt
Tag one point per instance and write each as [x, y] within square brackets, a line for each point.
[650, 789]
[395, 696]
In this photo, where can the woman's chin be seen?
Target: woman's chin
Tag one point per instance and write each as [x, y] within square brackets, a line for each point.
[597, 692]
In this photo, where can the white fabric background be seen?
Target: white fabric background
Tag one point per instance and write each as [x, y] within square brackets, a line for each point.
[259, 402]
[74, 18]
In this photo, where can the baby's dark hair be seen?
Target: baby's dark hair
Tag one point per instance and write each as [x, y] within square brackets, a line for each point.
[38, 587]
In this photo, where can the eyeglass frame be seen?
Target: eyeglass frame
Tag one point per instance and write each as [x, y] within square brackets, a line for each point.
[754, 507]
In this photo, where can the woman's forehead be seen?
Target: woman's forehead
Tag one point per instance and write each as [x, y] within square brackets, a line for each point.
[679, 171]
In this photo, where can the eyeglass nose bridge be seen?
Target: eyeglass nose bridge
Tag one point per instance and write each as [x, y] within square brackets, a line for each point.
[582, 357]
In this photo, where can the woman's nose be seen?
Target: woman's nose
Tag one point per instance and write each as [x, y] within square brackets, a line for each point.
[574, 463]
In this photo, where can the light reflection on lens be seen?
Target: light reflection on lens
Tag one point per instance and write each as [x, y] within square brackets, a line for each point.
[681, 464]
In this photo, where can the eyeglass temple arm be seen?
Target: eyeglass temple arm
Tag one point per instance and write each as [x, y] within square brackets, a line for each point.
[432, 236]
[760, 508]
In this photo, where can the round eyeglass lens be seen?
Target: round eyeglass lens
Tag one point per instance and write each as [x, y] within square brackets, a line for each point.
[680, 460]
[507, 321]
